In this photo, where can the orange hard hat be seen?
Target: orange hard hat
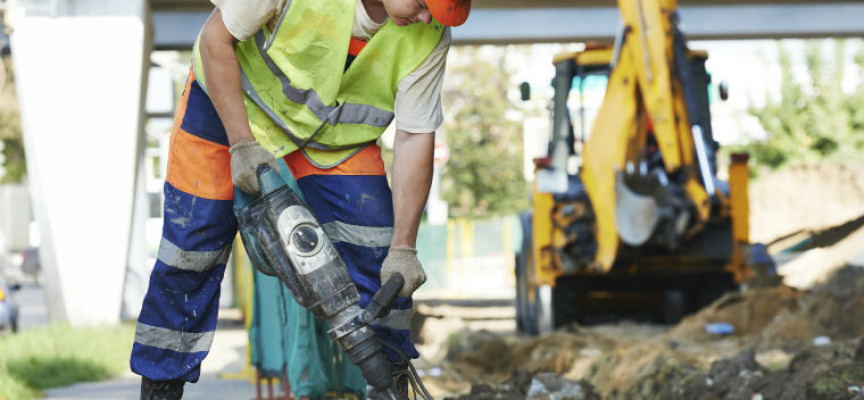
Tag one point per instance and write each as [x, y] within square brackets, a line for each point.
[449, 12]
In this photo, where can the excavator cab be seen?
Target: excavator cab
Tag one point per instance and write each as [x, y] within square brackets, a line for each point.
[629, 218]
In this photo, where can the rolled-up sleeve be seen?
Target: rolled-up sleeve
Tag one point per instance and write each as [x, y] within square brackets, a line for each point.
[243, 18]
[418, 97]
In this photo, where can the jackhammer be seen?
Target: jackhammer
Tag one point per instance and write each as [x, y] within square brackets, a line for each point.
[284, 239]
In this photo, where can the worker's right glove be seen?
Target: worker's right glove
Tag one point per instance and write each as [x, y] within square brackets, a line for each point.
[245, 159]
[403, 261]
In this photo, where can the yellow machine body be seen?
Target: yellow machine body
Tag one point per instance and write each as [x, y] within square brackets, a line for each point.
[682, 232]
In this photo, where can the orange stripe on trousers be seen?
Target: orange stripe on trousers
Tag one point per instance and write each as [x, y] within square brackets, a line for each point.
[197, 166]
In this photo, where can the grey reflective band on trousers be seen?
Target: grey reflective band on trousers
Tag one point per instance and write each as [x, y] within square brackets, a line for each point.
[367, 236]
[181, 342]
[197, 261]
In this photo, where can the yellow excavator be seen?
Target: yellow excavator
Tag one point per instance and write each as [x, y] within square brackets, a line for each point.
[628, 216]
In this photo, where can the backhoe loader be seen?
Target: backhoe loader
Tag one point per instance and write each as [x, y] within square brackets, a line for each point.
[628, 216]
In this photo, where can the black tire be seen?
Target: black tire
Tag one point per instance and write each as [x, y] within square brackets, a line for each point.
[564, 306]
[526, 301]
[714, 286]
[674, 307]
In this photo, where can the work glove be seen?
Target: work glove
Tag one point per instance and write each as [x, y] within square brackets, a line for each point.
[403, 261]
[245, 159]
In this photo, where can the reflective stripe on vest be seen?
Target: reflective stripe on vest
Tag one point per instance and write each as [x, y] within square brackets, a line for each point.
[346, 113]
[323, 107]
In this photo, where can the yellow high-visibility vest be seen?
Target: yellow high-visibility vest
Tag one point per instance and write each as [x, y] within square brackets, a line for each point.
[297, 92]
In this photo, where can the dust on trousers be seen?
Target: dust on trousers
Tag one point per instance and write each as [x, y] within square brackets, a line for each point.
[178, 318]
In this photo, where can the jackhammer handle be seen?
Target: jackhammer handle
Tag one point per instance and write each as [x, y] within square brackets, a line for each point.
[384, 297]
[267, 182]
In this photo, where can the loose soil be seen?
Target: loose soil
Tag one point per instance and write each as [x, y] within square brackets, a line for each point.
[771, 352]
[805, 198]
[790, 341]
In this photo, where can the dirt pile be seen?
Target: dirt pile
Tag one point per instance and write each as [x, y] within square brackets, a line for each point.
[829, 372]
[821, 254]
[651, 370]
[805, 197]
[835, 310]
[482, 356]
[525, 386]
[792, 341]
[749, 312]
[771, 353]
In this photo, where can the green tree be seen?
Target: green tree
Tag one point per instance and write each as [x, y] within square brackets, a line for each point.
[14, 166]
[812, 120]
[483, 176]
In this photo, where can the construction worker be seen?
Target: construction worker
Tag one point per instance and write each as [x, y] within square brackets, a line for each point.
[314, 83]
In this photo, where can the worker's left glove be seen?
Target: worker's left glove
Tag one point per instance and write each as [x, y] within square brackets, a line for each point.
[403, 261]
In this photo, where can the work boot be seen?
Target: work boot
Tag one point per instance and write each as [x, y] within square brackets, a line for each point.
[401, 376]
[161, 390]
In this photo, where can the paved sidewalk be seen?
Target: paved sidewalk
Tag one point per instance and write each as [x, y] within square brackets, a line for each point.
[228, 355]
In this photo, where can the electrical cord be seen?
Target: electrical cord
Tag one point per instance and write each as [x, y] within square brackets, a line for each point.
[416, 384]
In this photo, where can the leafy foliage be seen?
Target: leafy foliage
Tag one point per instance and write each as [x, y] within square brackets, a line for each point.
[812, 120]
[60, 355]
[12, 161]
[483, 176]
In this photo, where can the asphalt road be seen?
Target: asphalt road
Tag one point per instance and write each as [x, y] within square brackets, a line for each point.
[32, 310]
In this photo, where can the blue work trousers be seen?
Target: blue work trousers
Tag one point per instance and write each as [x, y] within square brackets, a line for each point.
[178, 318]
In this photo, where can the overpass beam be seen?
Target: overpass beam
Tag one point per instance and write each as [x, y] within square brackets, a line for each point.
[714, 22]
[178, 29]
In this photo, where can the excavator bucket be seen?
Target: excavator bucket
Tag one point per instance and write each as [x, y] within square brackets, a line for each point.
[636, 215]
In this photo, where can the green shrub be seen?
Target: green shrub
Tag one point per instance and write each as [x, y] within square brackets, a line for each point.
[60, 355]
[814, 119]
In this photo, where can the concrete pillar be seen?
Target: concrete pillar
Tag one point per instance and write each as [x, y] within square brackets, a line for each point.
[14, 218]
[81, 67]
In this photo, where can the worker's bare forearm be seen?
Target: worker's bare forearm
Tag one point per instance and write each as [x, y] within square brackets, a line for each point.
[411, 179]
[222, 73]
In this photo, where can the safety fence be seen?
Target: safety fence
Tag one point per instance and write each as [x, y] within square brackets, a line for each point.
[469, 259]
[462, 259]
